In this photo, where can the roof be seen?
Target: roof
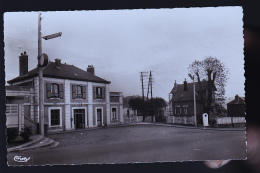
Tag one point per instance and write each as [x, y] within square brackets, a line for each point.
[64, 72]
[237, 100]
[181, 95]
[17, 88]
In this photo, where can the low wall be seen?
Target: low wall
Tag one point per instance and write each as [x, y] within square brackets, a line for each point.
[179, 120]
[228, 120]
[136, 119]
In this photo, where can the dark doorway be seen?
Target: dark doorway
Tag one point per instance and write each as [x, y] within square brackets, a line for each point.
[79, 118]
[99, 117]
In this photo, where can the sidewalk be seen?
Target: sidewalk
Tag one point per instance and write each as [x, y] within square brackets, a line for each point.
[37, 141]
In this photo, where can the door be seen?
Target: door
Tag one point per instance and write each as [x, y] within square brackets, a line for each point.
[99, 117]
[79, 118]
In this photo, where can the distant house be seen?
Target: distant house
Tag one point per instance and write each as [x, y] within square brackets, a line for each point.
[73, 98]
[182, 102]
[236, 108]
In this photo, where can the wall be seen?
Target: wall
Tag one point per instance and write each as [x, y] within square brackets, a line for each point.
[136, 119]
[180, 120]
[228, 120]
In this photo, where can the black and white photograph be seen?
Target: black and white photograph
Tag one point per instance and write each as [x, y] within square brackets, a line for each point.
[125, 86]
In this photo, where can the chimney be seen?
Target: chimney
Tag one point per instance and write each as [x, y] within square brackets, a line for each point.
[91, 69]
[23, 64]
[237, 98]
[185, 85]
[58, 62]
[175, 86]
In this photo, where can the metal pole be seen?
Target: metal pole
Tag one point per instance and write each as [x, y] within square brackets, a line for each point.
[195, 116]
[41, 88]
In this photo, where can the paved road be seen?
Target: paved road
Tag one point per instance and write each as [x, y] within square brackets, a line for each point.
[142, 143]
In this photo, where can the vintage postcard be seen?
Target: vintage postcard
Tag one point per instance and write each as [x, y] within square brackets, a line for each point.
[125, 86]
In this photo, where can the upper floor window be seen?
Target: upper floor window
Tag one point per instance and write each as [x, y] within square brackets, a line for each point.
[78, 91]
[54, 90]
[99, 92]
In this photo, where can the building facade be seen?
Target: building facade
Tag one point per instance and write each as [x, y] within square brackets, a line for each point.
[73, 98]
[181, 104]
[236, 107]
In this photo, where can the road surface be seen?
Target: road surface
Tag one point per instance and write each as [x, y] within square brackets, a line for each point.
[141, 143]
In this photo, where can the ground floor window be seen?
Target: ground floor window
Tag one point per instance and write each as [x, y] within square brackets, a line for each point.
[114, 114]
[177, 110]
[55, 117]
[185, 108]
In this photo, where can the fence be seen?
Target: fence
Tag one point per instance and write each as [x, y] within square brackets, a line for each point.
[136, 119]
[179, 120]
[228, 120]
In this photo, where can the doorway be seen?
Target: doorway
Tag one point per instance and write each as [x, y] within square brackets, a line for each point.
[79, 118]
[99, 117]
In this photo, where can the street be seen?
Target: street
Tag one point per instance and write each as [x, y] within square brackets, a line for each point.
[140, 143]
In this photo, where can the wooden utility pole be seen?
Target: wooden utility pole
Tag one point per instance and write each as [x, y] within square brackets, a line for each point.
[41, 86]
[142, 78]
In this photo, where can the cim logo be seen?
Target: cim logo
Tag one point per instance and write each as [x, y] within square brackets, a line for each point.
[21, 159]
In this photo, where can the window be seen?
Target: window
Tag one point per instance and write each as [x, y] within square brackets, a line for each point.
[99, 92]
[177, 110]
[114, 118]
[185, 107]
[55, 117]
[78, 91]
[54, 90]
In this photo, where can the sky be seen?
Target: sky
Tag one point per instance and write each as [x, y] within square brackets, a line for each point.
[122, 43]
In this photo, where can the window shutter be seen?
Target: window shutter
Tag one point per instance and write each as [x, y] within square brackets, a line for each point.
[48, 90]
[84, 91]
[73, 91]
[94, 92]
[103, 93]
[61, 91]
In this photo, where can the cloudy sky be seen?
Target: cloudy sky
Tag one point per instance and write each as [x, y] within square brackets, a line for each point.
[122, 43]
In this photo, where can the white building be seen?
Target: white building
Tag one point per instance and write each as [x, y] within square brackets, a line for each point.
[73, 98]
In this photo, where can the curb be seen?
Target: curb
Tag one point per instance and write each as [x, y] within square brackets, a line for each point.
[147, 123]
[45, 142]
[38, 138]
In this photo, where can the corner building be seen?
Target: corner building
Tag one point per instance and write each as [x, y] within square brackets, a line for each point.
[73, 98]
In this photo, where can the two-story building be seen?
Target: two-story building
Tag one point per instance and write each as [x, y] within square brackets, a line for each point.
[181, 105]
[73, 98]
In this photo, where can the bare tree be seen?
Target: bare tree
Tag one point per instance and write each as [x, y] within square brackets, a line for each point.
[215, 73]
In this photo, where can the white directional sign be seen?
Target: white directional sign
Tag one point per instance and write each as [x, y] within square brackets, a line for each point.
[52, 36]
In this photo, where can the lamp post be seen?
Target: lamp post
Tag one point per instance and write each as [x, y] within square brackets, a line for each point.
[194, 92]
[42, 61]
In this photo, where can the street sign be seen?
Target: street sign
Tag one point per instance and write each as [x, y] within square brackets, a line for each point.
[52, 36]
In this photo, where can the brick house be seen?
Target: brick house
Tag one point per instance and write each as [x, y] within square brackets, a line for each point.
[73, 98]
[236, 108]
[182, 103]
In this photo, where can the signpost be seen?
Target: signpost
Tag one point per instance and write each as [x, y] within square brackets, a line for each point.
[42, 58]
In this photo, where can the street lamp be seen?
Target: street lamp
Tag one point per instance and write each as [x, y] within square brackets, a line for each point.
[42, 61]
[194, 92]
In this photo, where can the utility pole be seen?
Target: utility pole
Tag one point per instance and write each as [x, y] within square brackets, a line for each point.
[41, 86]
[42, 61]
[151, 83]
[194, 91]
[142, 77]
